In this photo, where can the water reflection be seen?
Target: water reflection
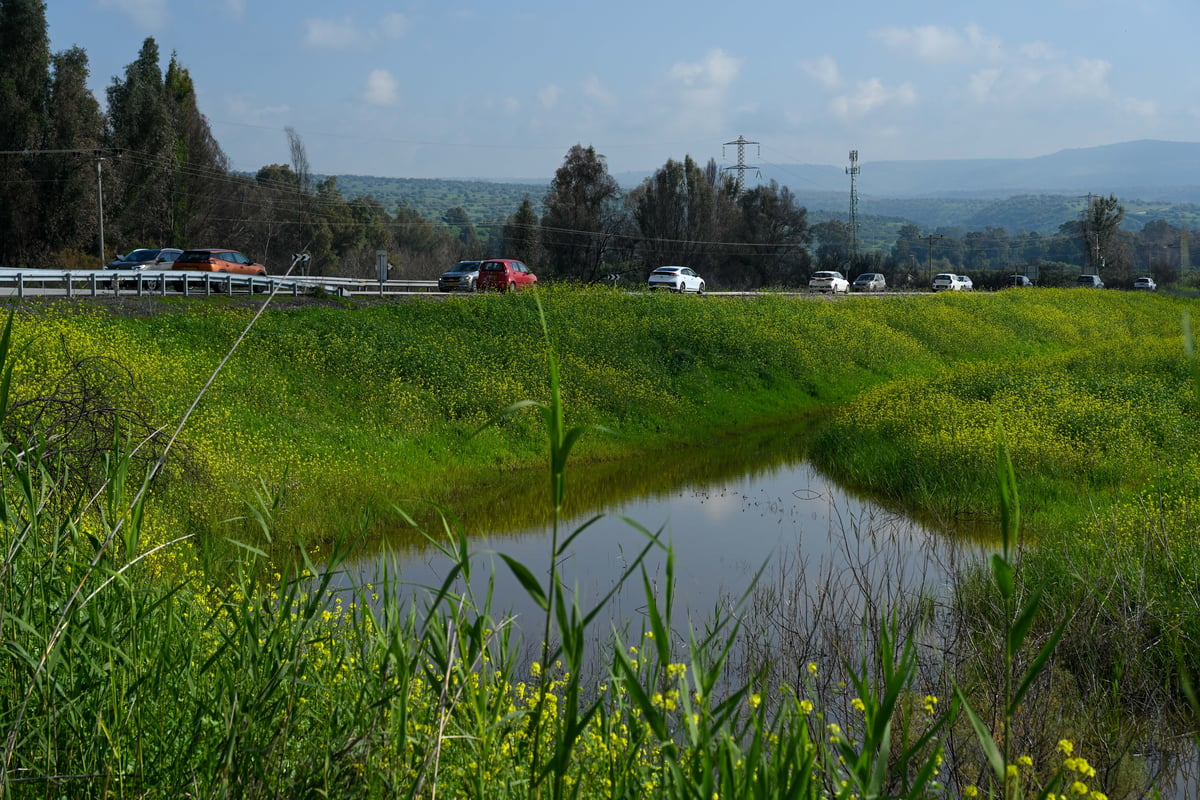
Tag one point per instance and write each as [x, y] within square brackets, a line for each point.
[749, 503]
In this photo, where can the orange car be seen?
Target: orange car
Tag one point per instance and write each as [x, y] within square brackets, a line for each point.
[218, 260]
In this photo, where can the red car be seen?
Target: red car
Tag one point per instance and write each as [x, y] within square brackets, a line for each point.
[504, 275]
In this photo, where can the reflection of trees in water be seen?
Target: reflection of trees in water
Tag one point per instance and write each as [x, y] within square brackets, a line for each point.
[510, 501]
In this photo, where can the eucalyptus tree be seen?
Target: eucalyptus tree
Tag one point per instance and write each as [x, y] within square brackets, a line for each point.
[522, 234]
[582, 216]
[24, 101]
[835, 244]
[774, 236]
[141, 128]
[70, 208]
[674, 213]
[459, 222]
[199, 169]
[1101, 226]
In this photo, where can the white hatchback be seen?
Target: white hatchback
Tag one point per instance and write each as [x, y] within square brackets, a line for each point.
[948, 281]
[828, 281]
[677, 279]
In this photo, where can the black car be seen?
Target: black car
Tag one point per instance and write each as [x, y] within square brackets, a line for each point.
[146, 258]
[461, 278]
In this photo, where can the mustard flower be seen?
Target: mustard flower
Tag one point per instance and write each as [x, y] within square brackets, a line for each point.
[858, 705]
[755, 700]
[812, 668]
[1025, 761]
[806, 706]
[971, 791]
[1065, 747]
[1079, 788]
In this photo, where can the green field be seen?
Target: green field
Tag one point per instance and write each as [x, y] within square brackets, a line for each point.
[327, 418]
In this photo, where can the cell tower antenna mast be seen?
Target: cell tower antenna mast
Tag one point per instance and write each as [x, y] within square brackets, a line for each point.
[852, 171]
[741, 142]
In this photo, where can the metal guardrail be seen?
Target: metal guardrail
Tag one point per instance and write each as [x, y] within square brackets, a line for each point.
[363, 286]
[23, 283]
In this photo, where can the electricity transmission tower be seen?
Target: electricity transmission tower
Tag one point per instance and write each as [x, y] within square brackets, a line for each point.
[852, 171]
[741, 167]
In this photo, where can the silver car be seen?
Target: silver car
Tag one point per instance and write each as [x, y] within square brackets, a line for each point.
[460, 278]
[146, 258]
[869, 282]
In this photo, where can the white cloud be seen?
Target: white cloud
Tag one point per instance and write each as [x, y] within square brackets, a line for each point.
[982, 84]
[393, 25]
[548, 95]
[596, 90]
[1039, 83]
[382, 88]
[343, 33]
[336, 33]
[1038, 51]
[823, 70]
[700, 90]
[938, 44]
[870, 95]
[148, 14]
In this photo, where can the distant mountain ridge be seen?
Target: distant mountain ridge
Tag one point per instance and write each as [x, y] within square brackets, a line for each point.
[1140, 170]
[1152, 179]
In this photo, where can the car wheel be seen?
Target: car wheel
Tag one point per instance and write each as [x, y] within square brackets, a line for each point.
[700, 288]
[512, 286]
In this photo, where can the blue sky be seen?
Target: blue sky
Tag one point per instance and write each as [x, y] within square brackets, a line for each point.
[466, 88]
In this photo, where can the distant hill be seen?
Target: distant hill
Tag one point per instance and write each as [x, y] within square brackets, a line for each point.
[1141, 170]
[484, 201]
[1152, 179]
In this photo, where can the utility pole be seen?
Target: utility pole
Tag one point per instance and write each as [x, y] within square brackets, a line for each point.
[741, 142]
[100, 158]
[930, 239]
[852, 171]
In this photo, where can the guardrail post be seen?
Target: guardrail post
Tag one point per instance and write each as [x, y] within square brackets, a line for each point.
[20, 286]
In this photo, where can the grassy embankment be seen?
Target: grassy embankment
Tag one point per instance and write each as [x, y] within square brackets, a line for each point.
[355, 408]
[351, 409]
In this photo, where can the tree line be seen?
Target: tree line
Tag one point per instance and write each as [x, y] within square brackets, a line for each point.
[82, 184]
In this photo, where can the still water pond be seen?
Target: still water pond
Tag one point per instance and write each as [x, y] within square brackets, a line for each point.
[748, 505]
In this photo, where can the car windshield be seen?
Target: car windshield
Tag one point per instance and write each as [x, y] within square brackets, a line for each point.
[141, 255]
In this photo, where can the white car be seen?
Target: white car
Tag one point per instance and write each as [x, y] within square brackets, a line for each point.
[947, 281]
[827, 281]
[1145, 284]
[677, 279]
